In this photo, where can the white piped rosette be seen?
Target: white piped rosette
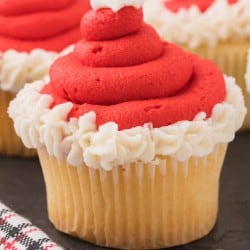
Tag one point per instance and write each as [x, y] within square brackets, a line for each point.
[79, 141]
[221, 21]
[116, 5]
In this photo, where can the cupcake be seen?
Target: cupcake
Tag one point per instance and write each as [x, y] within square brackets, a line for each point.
[218, 30]
[131, 134]
[32, 35]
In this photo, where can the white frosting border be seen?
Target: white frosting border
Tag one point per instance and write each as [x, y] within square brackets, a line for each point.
[18, 68]
[191, 27]
[116, 5]
[79, 141]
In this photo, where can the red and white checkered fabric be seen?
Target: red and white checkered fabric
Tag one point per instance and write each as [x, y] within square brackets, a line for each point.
[17, 233]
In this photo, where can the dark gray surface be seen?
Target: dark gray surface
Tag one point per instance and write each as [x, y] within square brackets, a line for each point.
[22, 188]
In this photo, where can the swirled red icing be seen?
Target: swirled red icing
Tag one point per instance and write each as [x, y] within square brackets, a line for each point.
[203, 5]
[46, 24]
[130, 77]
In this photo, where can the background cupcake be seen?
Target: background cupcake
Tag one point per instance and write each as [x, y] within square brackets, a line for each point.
[218, 30]
[32, 35]
[131, 148]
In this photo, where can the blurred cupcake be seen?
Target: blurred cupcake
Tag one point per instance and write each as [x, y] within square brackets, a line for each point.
[131, 134]
[218, 30]
[32, 35]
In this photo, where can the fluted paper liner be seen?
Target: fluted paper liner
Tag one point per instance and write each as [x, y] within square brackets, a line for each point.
[231, 57]
[10, 143]
[138, 206]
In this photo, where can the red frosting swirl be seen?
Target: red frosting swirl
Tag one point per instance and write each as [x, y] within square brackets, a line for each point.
[130, 76]
[203, 5]
[28, 24]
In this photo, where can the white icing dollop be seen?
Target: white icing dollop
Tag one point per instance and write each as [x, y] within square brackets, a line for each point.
[220, 22]
[80, 141]
[247, 76]
[18, 68]
[116, 5]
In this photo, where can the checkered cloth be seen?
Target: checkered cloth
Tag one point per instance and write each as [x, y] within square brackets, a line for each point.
[17, 233]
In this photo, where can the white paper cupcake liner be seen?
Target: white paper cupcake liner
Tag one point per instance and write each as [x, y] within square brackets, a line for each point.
[138, 206]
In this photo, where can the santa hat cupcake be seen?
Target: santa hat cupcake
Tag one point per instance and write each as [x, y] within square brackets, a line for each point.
[131, 134]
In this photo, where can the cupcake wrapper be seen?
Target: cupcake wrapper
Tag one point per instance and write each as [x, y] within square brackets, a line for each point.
[138, 206]
[231, 57]
[10, 143]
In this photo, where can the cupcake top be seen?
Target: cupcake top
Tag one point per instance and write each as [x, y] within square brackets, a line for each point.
[123, 95]
[29, 32]
[199, 22]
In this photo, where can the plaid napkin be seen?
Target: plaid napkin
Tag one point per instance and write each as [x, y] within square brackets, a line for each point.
[17, 233]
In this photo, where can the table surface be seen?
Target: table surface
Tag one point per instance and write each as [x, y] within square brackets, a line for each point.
[22, 189]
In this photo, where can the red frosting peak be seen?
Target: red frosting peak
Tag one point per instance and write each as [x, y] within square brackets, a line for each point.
[29, 24]
[124, 73]
[203, 5]
[104, 24]
[117, 39]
